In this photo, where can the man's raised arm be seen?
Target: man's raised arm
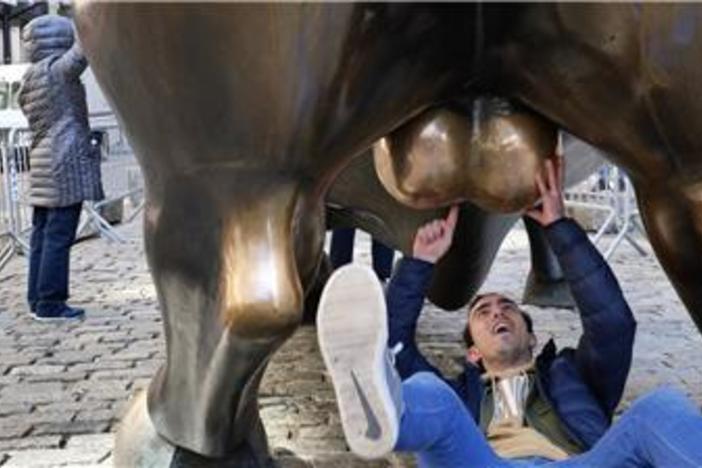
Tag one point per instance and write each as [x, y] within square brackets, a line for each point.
[604, 351]
[407, 290]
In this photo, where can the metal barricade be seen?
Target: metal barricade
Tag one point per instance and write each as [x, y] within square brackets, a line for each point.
[585, 196]
[609, 192]
[122, 183]
[7, 241]
[15, 216]
[627, 212]
[121, 176]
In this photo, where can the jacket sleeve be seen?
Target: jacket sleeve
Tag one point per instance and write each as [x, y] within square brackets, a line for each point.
[71, 64]
[604, 352]
[405, 299]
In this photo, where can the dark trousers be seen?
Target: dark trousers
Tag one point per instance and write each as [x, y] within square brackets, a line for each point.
[341, 252]
[53, 233]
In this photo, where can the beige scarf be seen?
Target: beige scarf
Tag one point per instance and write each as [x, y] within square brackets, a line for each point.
[508, 433]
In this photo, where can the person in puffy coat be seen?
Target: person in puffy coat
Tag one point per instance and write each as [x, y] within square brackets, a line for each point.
[65, 167]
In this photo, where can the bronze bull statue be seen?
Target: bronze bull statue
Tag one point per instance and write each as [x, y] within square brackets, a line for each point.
[244, 116]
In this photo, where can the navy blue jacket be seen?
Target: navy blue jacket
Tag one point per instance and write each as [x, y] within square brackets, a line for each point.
[584, 385]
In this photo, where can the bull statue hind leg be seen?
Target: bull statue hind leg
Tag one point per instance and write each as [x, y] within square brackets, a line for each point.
[619, 76]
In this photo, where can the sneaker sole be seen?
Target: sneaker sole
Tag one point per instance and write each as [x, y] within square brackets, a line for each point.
[353, 333]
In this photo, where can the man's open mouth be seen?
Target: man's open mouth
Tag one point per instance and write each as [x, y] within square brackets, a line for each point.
[500, 328]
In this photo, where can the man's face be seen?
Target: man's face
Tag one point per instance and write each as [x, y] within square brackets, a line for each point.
[499, 331]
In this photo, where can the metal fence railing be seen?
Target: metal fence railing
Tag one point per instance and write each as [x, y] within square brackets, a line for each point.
[609, 194]
[15, 219]
[122, 183]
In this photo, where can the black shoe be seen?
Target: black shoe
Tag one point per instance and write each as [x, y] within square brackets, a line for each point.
[64, 313]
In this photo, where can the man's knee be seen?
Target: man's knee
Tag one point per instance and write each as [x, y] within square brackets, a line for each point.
[429, 387]
[661, 401]
[427, 379]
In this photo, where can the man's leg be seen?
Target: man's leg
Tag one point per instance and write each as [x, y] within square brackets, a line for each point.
[378, 412]
[661, 429]
[436, 425]
[353, 334]
[382, 256]
[341, 248]
[36, 243]
[52, 281]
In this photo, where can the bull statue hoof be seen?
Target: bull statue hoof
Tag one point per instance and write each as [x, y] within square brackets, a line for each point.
[138, 445]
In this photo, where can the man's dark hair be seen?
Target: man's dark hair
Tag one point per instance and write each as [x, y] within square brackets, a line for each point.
[468, 337]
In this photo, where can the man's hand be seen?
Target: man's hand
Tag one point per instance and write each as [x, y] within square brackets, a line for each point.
[550, 208]
[434, 238]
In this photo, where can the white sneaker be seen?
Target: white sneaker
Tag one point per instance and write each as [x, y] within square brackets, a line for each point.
[353, 334]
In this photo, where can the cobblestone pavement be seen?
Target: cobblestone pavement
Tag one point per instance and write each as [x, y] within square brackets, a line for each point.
[63, 386]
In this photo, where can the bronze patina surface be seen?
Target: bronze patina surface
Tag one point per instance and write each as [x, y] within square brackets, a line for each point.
[243, 116]
[484, 151]
[625, 78]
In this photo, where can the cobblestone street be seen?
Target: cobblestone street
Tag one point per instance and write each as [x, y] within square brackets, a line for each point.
[64, 386]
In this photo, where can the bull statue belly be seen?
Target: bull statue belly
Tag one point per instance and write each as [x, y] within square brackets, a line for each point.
[248, 118]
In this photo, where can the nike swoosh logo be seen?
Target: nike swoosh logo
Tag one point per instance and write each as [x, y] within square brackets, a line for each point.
[373, 431]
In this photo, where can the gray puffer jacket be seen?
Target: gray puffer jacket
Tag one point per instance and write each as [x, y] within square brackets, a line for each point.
[65, 166]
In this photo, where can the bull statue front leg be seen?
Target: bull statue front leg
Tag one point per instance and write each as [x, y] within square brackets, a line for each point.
[228, 253]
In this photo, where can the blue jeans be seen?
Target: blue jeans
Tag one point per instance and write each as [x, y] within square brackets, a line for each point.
[53, 233]
[661, 429]
[341, 252]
